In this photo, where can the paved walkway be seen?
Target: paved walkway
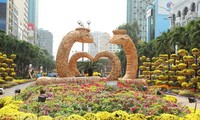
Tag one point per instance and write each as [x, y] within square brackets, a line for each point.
[181, 99]
[10, 91]
[185, 101]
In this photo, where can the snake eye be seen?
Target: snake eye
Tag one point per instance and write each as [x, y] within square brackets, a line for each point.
[122, 39]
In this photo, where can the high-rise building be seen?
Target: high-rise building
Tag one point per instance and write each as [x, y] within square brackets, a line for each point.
[136, 12]
[33, 21]
[22, 7]
[19, 18]
[92, 49]
[15, 21]
[101, 40]
[104, 45]
[3, 16]
[7, 16]
[46, 40]
[184, 11]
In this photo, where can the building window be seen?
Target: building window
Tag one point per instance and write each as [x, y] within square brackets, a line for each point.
[179, 14]
[192, 7]
[185, 11]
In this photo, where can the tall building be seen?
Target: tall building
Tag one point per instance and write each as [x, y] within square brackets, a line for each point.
[22, 7]
[159, 17]
[185, 10]
[20, 18]
[7, 19]
[33, 21]
[104, 45]
[3, 16]
[101, 40]
[46, 40]
[136, 11]
[15, 21]
[93, 48]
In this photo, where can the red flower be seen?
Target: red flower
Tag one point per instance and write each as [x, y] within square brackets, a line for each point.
[133, 109]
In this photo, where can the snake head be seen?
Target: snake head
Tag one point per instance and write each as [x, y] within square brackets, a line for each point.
[120, 37]
[84, 36]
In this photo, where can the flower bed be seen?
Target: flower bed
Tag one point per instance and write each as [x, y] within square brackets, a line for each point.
[91, 99]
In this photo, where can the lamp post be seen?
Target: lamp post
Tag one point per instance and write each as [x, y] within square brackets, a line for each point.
[170, 14]
[41, 99]
[192, 100]
[82, 25]
[17, 91]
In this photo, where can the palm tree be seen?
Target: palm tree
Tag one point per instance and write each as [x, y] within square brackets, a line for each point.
[89, 67]
[176, 36]
[163, 44]
[195, 34]
[185, 41]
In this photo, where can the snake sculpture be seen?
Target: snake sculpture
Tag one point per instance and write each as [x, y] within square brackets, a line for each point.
[78, 35]
[121, 38]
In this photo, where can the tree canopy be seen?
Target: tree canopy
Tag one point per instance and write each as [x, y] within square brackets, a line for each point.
[26, 54]
[186, 37]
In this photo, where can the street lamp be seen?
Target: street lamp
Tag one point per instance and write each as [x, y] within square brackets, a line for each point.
[17, 91]
[170, 14]
[41, 99]
[88, 22]
[192, 100]
[82, 25]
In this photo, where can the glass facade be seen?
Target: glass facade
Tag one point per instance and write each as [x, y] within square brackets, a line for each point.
[33, 12]
[3, 15]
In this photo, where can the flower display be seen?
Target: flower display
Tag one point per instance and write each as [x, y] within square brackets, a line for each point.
[170, 98]
[76, 117]
[103, 115]
[136, 117]
[44, 118]
[119, 115]
[75, 98]
[91, 116]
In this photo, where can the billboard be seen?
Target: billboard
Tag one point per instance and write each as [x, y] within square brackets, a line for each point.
[3, 16]
[165, 6]
[31, 26]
